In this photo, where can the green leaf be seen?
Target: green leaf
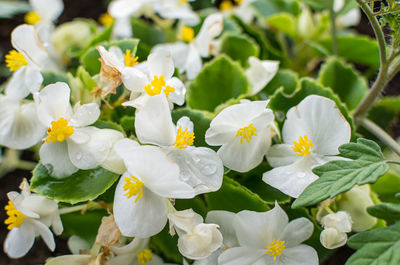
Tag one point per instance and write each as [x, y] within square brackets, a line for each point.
[317, 4]
[53, 77]
[344, 81]
[338, 176]
[105, 124]
[83, 225]
[284, 22]
[267, 8]
[376, 247]
[239, 48]
[385, 111]
[200, 120]
[151, 34]
[389, 212]
[197, 204]
[166, 246]
[387, 186]
[285, 78]
[82, 186]
[219, 81]
[99, 37]
[358, 49]
[90, 59]
[234, 197]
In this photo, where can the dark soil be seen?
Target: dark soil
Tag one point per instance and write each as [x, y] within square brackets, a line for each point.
[92, 9]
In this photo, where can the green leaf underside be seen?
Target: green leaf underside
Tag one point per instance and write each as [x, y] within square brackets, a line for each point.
[386, 211]
[376, 247]
[220, 80]
[81, 186]
[234, 197]
[338, 176]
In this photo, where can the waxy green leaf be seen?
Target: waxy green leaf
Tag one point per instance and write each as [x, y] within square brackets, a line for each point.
[239, 48]
[386, 211]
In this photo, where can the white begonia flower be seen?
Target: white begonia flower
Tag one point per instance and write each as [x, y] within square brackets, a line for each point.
[187, 55]
[312, 134]
[71, 144]
[197, 240]
[29, 215]
[199, 167]
[244, 130]
[336, 226]
[177, 9]
[260, 73]
[267, 238]
[140, 202]
[242, 9]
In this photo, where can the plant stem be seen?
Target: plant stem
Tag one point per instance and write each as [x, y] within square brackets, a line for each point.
[392, 162]
[332, 16]
[91, 205]
[381, 134]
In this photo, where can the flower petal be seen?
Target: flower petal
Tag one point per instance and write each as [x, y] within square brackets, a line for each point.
[178, 96]
[211, 28]
[297, 231]
[281, 155]
[19, 240]
[48, 9]
[260, 73]
[134, 79]
[85, 115]
[55, 157]
[225, 221]
[299, 255]
[161, 63]
[45, 233]
[24, 81]
[240, 256]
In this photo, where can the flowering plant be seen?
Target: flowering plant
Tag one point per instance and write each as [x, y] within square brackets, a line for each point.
[227, 133]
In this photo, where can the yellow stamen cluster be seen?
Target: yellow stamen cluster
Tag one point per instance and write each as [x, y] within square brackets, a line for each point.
[134, 187]
[15, 217]
[144, 256]
[157, 85]
[183, 138]
[303, 147]
[225, 5]
[187, 34]
[130, 59]
[15, 60]
[59, 131]
[32, 18]
[246, 133]
[106, 19]
[275, 248]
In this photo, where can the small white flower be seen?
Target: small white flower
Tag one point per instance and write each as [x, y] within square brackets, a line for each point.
[140, 204]
[312, 134]
[244, 131]
[242, 9]
[187, 56]
[260, 73]
[336, 225]
[267, 238]
[29, 215]
[71, 144]
[332, 238]
[197, 240]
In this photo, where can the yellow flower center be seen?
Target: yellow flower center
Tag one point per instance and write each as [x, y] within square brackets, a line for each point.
[187, 34]
[275, 248]
[303, 147]
[246, 133]
[183, 138]
[15, 217]
[59, 131]
[15, 60]
[130, 59]
[106, 19]
[157, 85]
[144, 256]
[225, 5]
[183, 2]
[32, 18]
[133, 186]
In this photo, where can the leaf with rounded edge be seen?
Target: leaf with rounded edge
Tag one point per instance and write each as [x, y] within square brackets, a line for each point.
[53, 77]
[81, 186]
[285, 78]
[234, 197]
[389, 212]
[376, 247]
[220, 80]
[239, 48]
[366, 166]
[344, 81]
[267, 8]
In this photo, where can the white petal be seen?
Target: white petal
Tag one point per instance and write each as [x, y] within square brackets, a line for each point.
[240, 256]
[122, 27]
[69, 259]
[113, 161]
[210, 260]
[153, 122]
[40, 205]
[340, 220]
[19, 241]
[299, 255]
[257, 229]
[297, 231]
[281, 155]
[211, 28]
[200, 167]
[55, 157]
[225, 221]
[260, 73]
[135, 245]
[110, 58]
[292, 179]
[56, 224]
[18, 200]
[177, 10]
[160, 63]
[48, 9]
[124, 8]
[331, 238]
[124, 146]
[19, 124]
[178, 96]
[134, 79]
[53, 103]
[45, 233]
[351, 18]
[320, 119]
[141, 219]
[76, 244]
[185, 123]
[193, 63]
[184, 221]
[85, 115]
[24, 81]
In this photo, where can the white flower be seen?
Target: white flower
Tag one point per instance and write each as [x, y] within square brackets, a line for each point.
[311, 135]
[200, 167]
[244, 131]
[187, 56]
[197, 240]
[71, 144]
[140, 204]
[267, 238]
[29, 215]
[350, 18]
[242, 9]
[336, 225]
[177, 9]
[332, 238]
[154, 78]
[260, 73]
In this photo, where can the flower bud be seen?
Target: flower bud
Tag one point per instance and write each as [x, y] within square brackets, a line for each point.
[341, 221]
[331, 238]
